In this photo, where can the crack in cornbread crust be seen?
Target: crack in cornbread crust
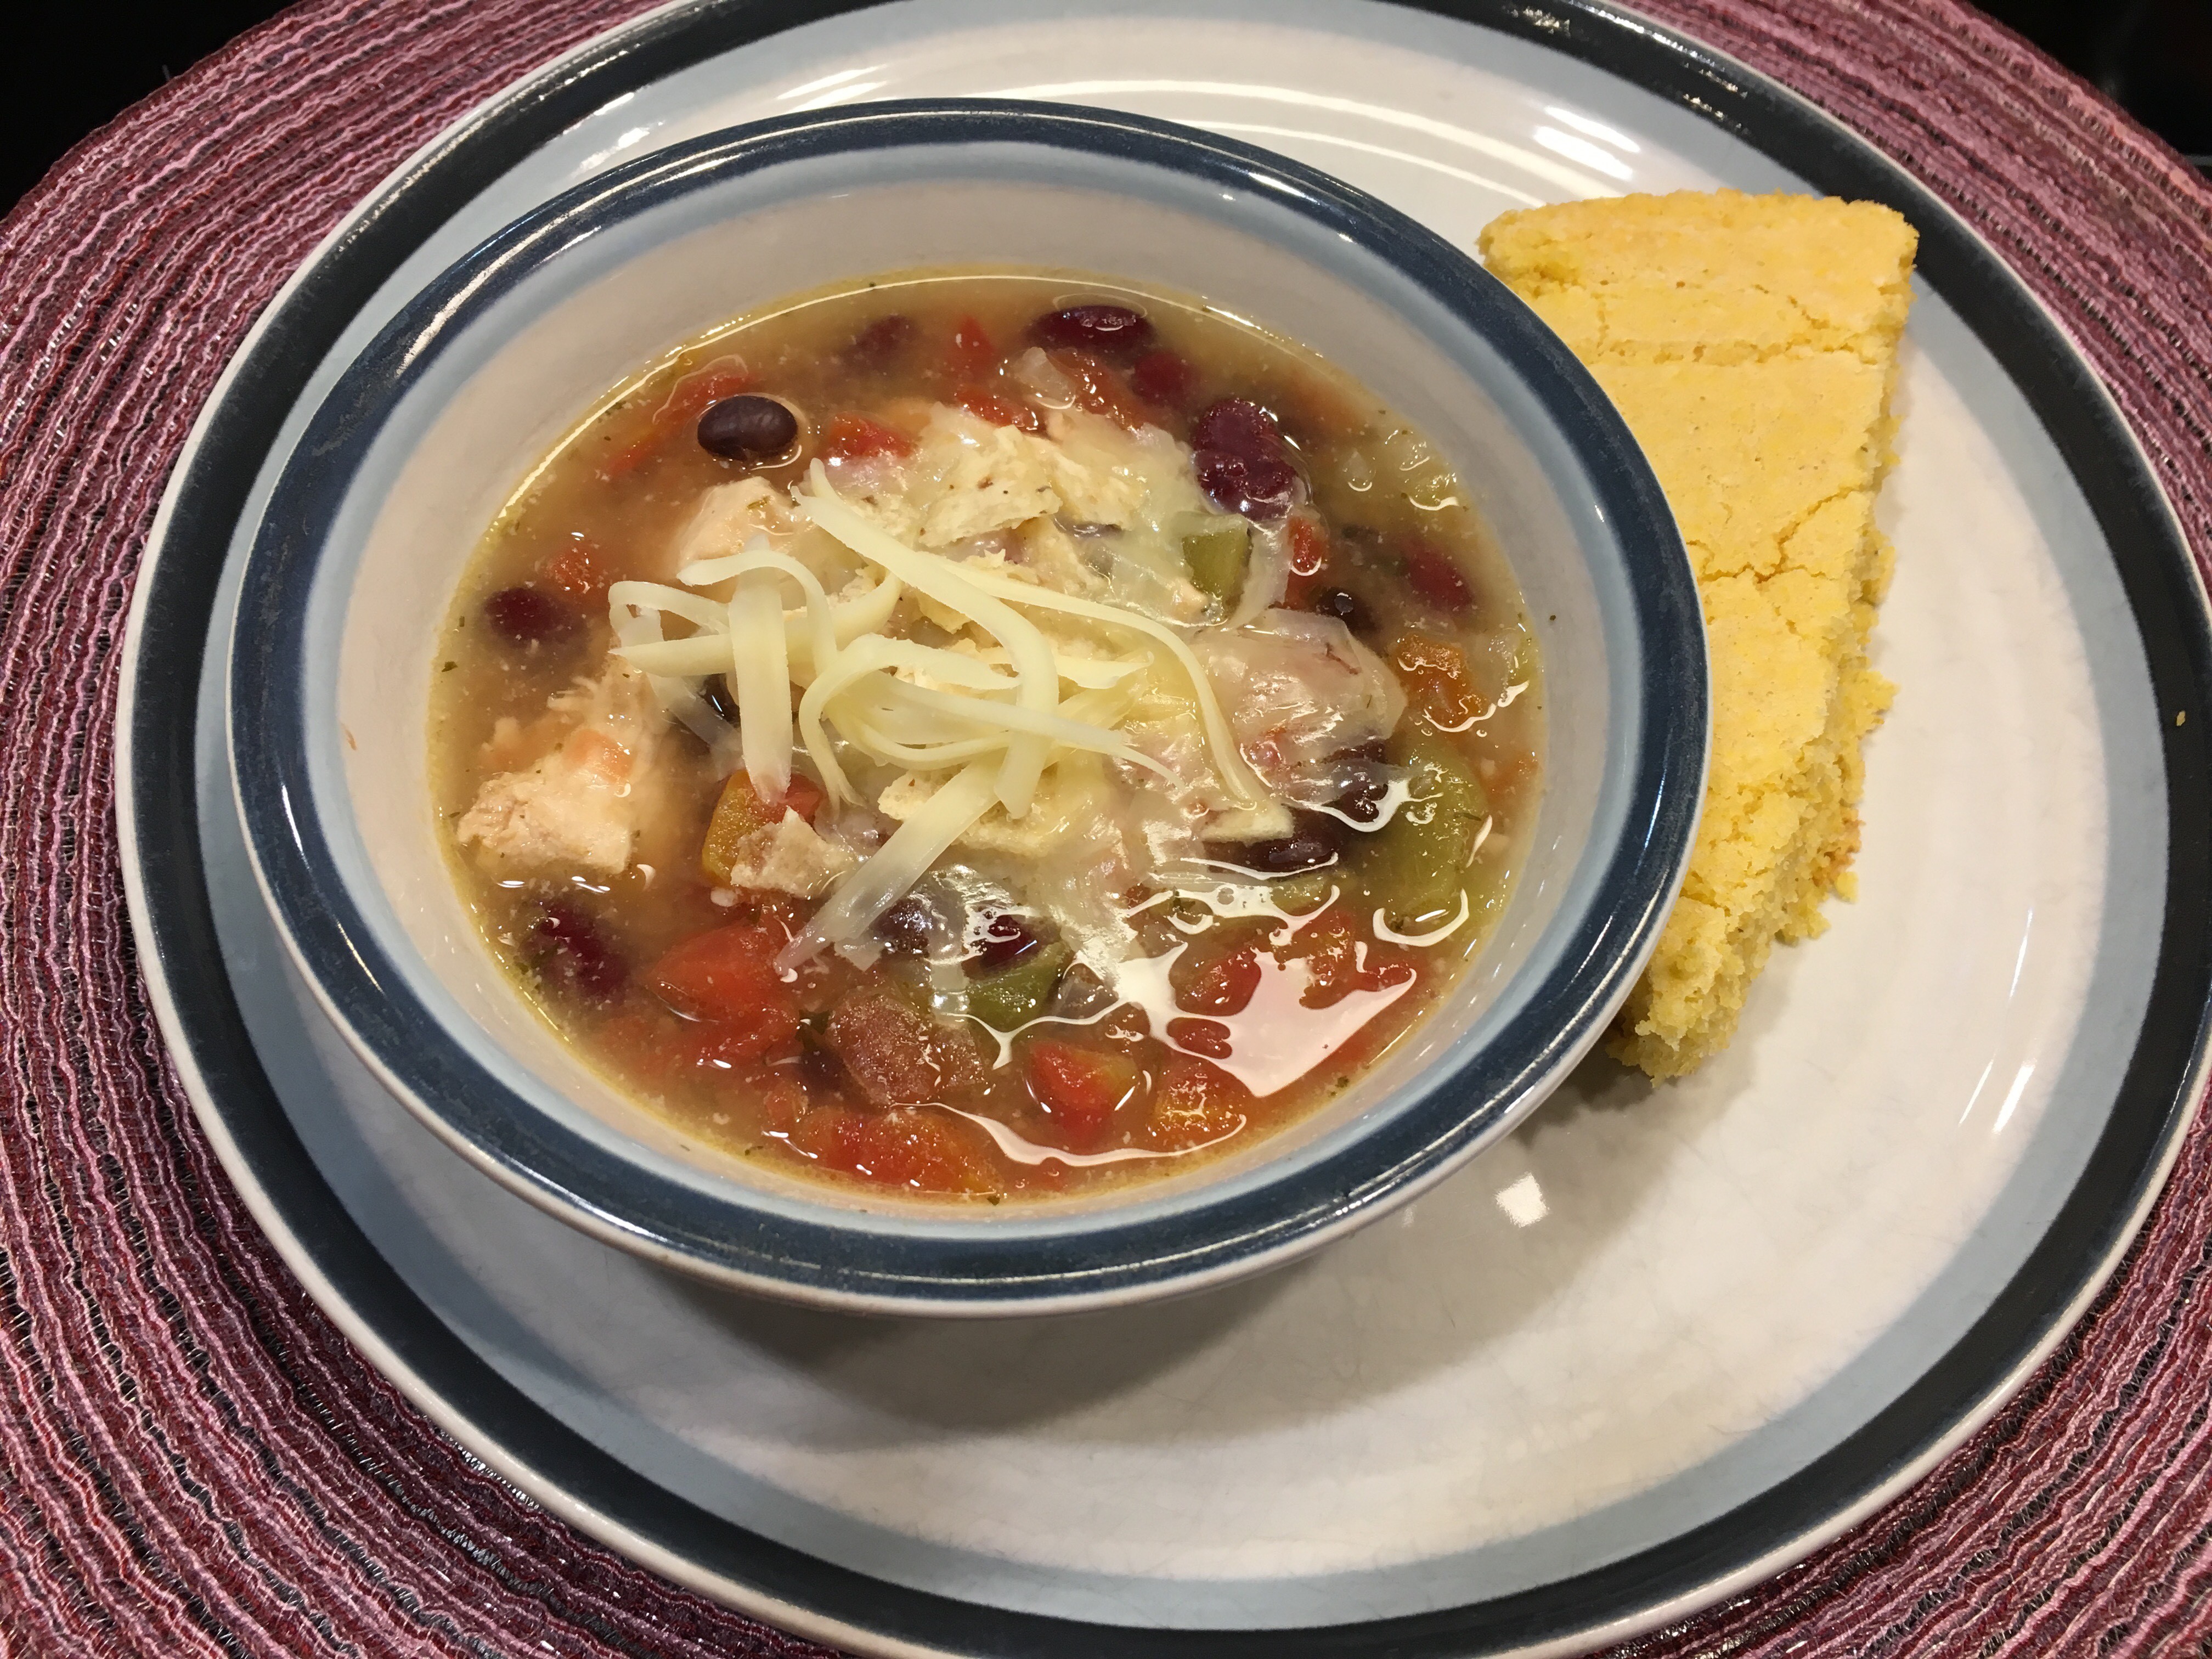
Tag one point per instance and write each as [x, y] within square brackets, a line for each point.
[1751, 344]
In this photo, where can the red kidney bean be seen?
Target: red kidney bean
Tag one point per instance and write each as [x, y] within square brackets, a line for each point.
[1006, 939]
[748, 427]
[1238, 427]
[1110, 330]
[1262, 489]
[903, 929]
[574, 955]
[531, 615]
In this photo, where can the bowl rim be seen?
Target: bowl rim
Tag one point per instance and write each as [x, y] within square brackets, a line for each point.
[817, 1258]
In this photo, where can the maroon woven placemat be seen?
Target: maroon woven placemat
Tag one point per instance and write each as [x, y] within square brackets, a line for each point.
[193, 1462]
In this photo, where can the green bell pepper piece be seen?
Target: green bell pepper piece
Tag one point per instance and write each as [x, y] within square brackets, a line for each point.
[1416, 865]
[1014, 996]
[1216, 555]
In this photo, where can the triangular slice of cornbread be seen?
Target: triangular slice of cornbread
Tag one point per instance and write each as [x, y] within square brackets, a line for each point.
[1751, 343]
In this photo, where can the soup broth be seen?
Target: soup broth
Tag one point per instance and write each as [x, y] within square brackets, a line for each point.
[981, 734]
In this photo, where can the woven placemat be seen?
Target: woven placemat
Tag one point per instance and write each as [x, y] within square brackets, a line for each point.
[192, 1461]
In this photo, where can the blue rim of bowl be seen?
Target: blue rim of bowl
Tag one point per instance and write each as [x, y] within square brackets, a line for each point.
[1108, 1257]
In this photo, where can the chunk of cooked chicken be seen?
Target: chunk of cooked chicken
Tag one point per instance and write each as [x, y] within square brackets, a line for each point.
[1298, 688]
[579, 805]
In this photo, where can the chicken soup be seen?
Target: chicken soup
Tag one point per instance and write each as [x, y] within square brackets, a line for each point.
[982, 734]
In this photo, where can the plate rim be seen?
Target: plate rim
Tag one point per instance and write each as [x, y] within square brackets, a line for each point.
[1961, 1390]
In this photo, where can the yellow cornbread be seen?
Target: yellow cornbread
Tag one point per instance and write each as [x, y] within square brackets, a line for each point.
[1751, 343]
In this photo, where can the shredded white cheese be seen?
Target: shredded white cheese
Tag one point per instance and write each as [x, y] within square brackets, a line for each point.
[970, 723]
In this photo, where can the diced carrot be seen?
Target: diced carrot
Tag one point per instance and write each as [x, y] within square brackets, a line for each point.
[987, 405]
[847, 436]
[903, 1147]
[1080, 1089]
[688, 400]
[578, 569]
[1309, 550]
[1437, 685]
[1195, 1102]
[727, 978]
[969, 354]
[740, 813]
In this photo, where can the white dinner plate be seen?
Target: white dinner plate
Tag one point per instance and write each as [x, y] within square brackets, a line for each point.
[1657, 1344]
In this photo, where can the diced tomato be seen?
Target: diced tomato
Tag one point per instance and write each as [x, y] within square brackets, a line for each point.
[1195, 1102]
[903, 1147]
[986, 405]
[1216, 982]
[578, 569]
[687, 401]
[1164, 377]
[969, 354]
[1099, 388]
[847, 436]
[1080, 1089]
[727, 978]
[1432, 574]
[1435, 675]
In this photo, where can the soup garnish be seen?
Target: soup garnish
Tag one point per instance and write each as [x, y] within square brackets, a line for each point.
[982, 734]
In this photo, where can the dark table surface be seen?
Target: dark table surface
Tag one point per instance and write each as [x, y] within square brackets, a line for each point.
[2153, 56]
